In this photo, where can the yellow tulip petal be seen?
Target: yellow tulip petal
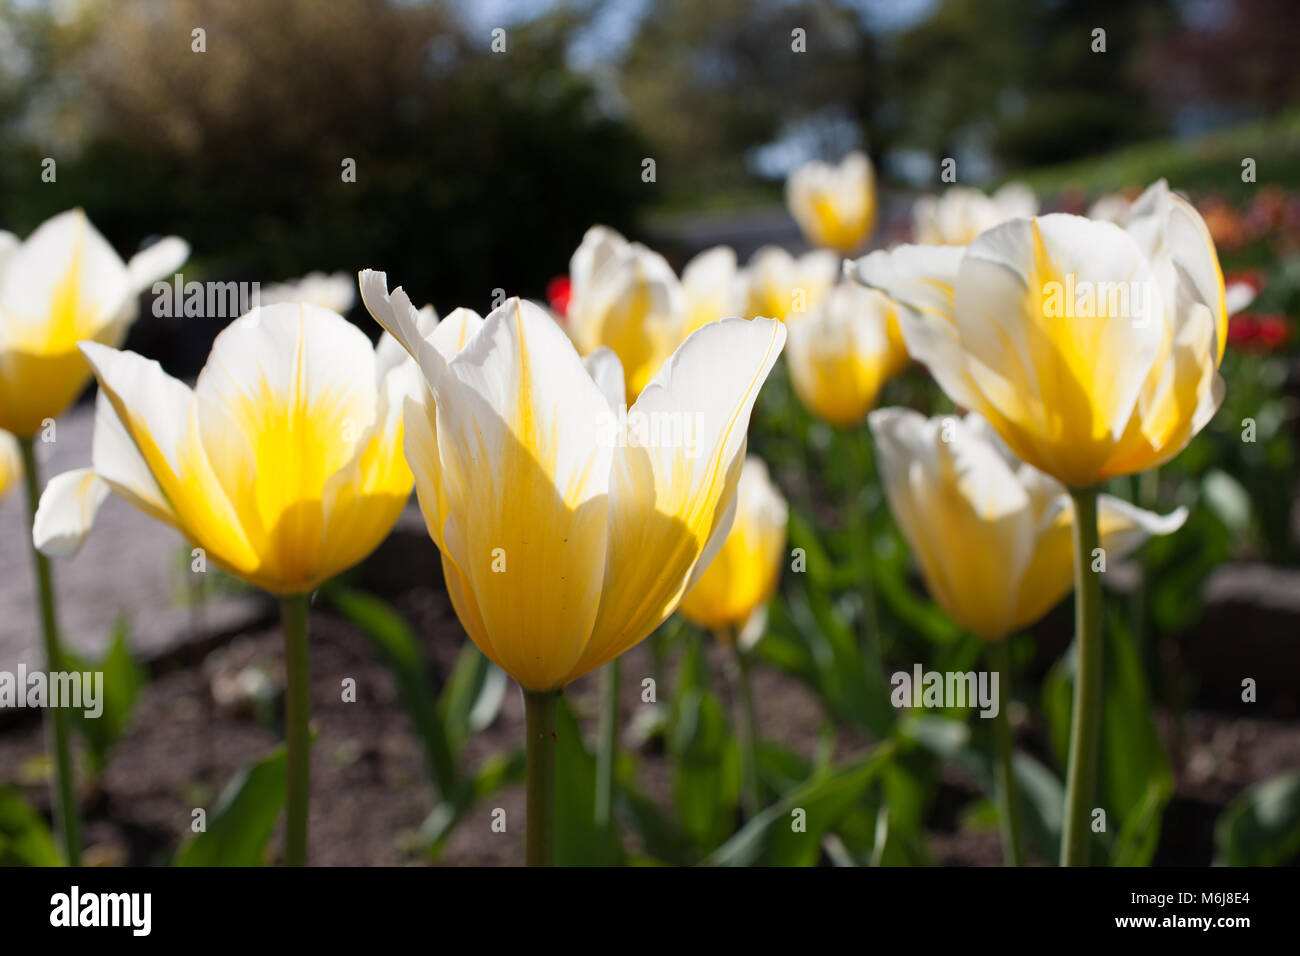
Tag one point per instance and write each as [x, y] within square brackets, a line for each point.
[671, 494]
[1061, 319]
[527, 483]
[743, 575]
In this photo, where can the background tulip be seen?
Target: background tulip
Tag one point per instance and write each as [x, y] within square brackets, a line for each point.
[744, 573]
[992, 534]
[64, 284]
[283, 464]
[843, 352]
[335, 291]
[994, 539]
[835, 205]
[730, 598]
[781, 286]
[627, 298]
[962, 213]
[713, 286]
[567, 536]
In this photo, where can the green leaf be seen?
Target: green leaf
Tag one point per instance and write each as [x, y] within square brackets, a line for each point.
[578, 841]
[240, 825]
[705, 757]
[1135, 781]
[25, 840]
[123, 678]
[473, 695]
[400, 650]
[1262, 826]
[772, 839]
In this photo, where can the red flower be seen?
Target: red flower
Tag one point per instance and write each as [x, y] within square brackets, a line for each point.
[1258, 332]
[558, 291]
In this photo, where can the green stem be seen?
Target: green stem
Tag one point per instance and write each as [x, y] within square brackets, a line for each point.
[1086, 719]
[607, 746]
[861, 477]
[748, 730]
[297, 713]
[1008, 810]
[540, 711]
[66, 809]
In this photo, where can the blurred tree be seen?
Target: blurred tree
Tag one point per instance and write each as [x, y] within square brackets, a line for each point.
[707, 82]
[1021, 77]
[475, 170]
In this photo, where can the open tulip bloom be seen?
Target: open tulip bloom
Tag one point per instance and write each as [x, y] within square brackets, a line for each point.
[566, 537]
[283, 465]
[64, 284]
[1093, 351]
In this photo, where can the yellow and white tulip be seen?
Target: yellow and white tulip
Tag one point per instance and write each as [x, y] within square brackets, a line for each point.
[842, 354]
[283, 463]
[626, 298]
[962, 213]
[992, 535]
[730, 598]
[782, 286]
[64, 285]
[713, 286]
[834, 205]
[1093, 350]
[566, 539]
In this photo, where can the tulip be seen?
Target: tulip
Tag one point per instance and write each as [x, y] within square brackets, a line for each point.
[835, 206]
[568, 533]
[843, 353]
[1093, 350]
[335, 291]
[783, 287]
[11, 463]
[962, 213]
[730, 598]
[713, 287]
[992, 536]
[63, 284]
[627, 298]
[283, 466]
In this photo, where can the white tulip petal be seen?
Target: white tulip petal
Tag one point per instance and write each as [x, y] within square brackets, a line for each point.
[686, 462]
[67, 511]
[160, 259]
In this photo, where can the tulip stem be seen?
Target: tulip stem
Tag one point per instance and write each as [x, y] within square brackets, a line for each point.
[607, 746]
[862, 477]
[1008, 811]
[66, 809]
[297, 712]
[1086, 719]
[541, 709]
[748, 729]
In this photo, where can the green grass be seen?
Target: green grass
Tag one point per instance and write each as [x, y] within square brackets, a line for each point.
[1207, 163]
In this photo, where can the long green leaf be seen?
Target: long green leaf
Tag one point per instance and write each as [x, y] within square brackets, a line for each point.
[240, 825]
